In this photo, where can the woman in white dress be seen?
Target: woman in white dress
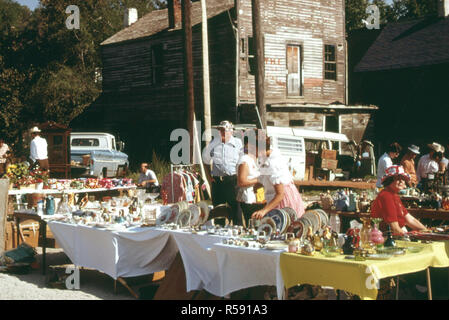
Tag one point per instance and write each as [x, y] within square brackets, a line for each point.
[247, 180]
[280, 191]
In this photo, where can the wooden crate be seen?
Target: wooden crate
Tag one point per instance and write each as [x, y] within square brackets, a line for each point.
[329, 154]
[329, 164]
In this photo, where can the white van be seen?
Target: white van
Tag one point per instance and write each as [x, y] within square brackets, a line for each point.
[293, 144]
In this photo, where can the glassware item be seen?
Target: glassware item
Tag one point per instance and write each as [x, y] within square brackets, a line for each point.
[365, 234]
[63, 207]
[152, 196]
[261, 236]
[289, 236]
[334, 222]
[376, 236]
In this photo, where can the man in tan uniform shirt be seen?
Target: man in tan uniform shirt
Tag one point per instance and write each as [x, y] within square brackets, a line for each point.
[408, 162]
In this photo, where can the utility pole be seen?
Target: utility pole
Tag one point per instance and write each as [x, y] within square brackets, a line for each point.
[188, 69]
[206, 81]
[260, 62]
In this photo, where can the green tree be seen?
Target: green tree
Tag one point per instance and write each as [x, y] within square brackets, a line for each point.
[355, 12]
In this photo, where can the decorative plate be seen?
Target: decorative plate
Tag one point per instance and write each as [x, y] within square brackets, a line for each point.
[324, 217]
[379, 256]
[183, 205]
[287, 221]
[310, 220]
[306, 224]
[414, 249]
[276, 245]
[164, 216]
[318, 215]
[184, 218]
[267, 228]
[292, 213]
[268, 220]
[397, 251]
[296, 227]
[196, 213]
[204, 211]
[278, 217]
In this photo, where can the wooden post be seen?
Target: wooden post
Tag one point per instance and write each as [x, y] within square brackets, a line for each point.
[4, 187]
[260, 61]
[206, 81]
[188, 69]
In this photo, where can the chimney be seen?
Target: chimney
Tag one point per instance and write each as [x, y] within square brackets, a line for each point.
[130, 16]
[443, 8]
[174, 13]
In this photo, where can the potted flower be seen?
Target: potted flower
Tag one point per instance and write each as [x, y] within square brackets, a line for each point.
[39, 177]
[18, 174]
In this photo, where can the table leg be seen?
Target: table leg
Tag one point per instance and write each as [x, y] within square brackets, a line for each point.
[18, 231]
[123, 282]
[429, 285]
[397, 288]
[44, 247]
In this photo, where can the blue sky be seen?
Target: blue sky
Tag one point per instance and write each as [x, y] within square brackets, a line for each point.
[32, 4]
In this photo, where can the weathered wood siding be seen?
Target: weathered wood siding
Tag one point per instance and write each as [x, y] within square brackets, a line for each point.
[127, 73]
[308, 23]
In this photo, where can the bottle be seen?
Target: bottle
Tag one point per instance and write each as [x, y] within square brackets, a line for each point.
[389, 242]
[334, 222]
[40, 207]
[63, 207]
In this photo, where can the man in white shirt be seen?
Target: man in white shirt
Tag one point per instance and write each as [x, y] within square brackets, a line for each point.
[427, 163]
[4, 149]
[386, 160]
[224, 154]
[147, 177]
[38, 149]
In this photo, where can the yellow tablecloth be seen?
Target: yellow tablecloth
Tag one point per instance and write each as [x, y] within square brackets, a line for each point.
[359, 277]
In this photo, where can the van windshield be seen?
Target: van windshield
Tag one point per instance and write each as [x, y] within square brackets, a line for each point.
[85, 142]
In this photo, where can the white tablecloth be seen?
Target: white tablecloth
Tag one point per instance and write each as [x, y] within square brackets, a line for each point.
[200, 262]
[129, 253]
[241, 268]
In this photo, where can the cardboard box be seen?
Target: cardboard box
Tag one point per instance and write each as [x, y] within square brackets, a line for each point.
[329, 164]
[329, 154]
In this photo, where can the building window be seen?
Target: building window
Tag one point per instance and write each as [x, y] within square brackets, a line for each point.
[296, 123]
[157, 63]
[251, 56]
[294, 70]
[330, 63]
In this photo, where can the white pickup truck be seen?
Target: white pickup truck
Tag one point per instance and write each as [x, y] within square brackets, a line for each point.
[103, 156]
[295, 143]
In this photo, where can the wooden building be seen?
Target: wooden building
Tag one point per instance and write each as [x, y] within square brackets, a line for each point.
[305, 72]
[405, 72]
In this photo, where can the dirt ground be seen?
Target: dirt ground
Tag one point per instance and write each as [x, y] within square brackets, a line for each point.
[94, 285]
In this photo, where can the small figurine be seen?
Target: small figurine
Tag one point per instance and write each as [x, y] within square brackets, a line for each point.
[308, 249]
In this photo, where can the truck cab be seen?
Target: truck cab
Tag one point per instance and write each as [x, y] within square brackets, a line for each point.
[97, 153]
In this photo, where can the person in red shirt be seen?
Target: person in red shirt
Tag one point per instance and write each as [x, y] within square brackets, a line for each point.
[388, 205]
